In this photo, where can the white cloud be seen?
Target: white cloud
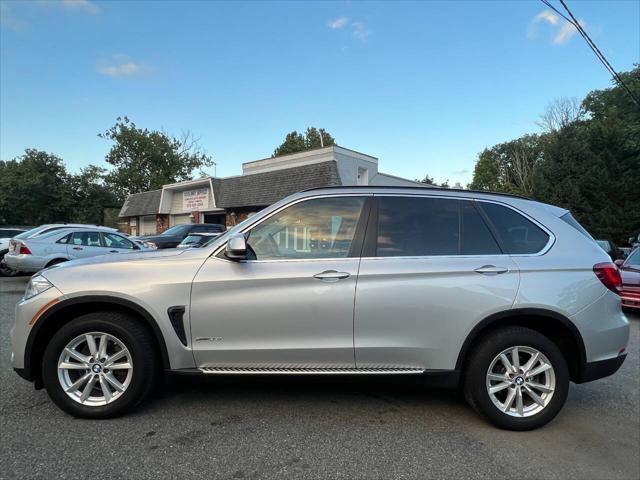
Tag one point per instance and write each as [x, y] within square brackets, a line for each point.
[360, 31]
[122, 66]
[565, 33]
[562, 30]
[337, 23]
[81, 5]
[548, 16]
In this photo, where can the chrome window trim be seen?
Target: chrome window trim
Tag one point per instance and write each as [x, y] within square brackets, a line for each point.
[260, 220]
[544, 250]
[547, 247]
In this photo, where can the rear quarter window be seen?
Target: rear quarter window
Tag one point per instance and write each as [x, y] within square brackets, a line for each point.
[519, 235]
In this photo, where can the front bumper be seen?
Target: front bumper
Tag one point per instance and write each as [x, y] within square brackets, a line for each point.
[25, 312]
[604, 368]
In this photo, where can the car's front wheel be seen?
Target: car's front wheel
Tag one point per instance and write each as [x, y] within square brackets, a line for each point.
[99, 365]
[517, 378]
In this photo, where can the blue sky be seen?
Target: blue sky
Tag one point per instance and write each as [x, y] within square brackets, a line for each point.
[424, 86]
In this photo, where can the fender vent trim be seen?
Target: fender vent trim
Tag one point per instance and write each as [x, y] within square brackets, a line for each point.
[176, 317]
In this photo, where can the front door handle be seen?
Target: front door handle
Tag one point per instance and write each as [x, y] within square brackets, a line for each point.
[491, 270]
[77, 248]
[113, 251]
[331, 275]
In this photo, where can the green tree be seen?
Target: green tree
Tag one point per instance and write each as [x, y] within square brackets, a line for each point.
[34, 189]
[145, 160]
[427, 180]
[587, 160]
[296, 142]
[508, 167]
[90, 195]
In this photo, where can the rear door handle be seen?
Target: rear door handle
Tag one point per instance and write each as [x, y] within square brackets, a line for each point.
[331, 275]
[491, 270]
[113, 251]
[77, 248]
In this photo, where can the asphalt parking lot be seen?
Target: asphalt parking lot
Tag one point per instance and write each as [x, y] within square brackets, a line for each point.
[314, 428]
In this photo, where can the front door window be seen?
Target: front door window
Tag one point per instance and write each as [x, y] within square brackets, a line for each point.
[317, 228]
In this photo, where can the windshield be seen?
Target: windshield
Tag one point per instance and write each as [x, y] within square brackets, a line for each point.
[193, 239]
[633, 260]
[28, 233]
[177, 230]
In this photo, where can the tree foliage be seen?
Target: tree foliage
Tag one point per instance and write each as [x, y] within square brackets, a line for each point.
[587, 160]
[33, 189]
[36, 188]
[145, 160]
[296, 142]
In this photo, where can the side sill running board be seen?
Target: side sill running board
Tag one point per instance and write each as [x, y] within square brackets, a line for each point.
[309, 371]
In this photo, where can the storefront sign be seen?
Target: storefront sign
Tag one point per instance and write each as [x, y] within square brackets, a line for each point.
[195, 200]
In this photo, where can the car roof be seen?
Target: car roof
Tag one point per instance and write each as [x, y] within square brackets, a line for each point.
[67, 231]
[510, 199]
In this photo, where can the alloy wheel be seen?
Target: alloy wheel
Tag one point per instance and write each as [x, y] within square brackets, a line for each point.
[521, 381]
[95, 369]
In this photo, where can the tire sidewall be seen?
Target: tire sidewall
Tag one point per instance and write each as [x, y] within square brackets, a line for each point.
[142, 359]
[479, 364]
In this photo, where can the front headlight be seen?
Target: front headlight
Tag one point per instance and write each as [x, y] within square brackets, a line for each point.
[150, 245]
[36, 286]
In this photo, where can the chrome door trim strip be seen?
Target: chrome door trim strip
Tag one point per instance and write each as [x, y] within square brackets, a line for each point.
[225, 370]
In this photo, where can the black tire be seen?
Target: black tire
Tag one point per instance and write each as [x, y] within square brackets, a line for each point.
[482, 355]
[5, 271]
[56, 262]
[135, 337]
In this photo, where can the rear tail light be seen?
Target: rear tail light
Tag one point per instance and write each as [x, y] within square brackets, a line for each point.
[609, 275]
[24, 250]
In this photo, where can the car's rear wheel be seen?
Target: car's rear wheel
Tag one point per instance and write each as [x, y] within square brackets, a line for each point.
[99, 365]
[55, 262]
[517, 378]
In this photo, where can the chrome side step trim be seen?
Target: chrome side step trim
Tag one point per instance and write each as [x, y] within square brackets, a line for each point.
[309, 371]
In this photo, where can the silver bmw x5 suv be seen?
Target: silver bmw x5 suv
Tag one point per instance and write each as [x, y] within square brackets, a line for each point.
[508, 298]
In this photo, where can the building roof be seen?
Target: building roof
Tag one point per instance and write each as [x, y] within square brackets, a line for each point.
[261, 189]
[146, 203]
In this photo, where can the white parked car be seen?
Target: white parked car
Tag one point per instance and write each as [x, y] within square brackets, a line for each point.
[6, 234]
[40, 251]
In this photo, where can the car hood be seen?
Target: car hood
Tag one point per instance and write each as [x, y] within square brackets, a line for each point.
[159, 238]
[121, 257]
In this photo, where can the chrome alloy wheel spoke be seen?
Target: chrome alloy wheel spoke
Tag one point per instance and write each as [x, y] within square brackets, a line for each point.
[95, 368]
[520, 381]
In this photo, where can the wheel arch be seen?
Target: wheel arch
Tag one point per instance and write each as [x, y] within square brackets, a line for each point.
[60, 314]
[553, 325]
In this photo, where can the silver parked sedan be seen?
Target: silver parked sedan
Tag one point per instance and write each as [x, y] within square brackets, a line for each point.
[33, 253]
[507, 298]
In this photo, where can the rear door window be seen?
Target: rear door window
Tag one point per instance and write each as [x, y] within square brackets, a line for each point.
[86, 239]
[417, 226]
[519, 235]
[477, 239]
[423, 226]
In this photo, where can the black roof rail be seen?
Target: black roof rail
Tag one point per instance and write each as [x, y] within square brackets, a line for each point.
[429, 188]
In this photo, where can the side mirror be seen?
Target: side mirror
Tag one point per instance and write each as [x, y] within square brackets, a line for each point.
[236, 248]
[619, 262]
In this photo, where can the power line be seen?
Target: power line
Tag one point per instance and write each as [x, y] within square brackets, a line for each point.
[573, 21]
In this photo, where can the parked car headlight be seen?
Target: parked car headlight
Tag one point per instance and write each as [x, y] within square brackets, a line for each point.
[150, 245]
[36, 286]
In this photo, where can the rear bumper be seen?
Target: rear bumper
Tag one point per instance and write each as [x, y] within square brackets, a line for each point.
[595, 370]
[630, 297]
[24, 263]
